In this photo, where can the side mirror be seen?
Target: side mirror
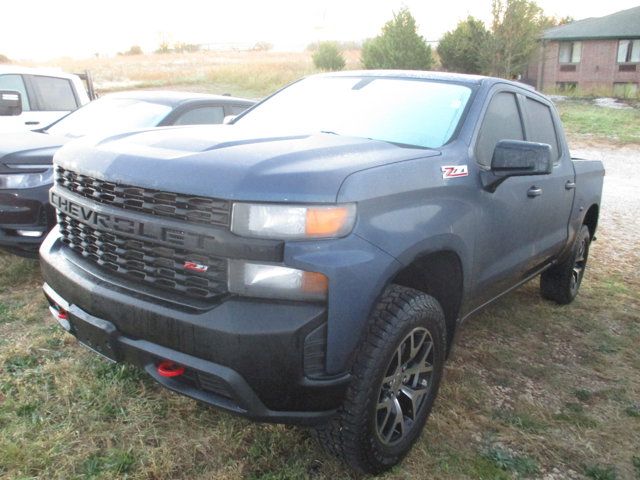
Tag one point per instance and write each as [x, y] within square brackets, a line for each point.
[228, 120]
[515, 158]
[10, 103]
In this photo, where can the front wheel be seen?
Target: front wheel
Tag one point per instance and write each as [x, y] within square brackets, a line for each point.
[396, 377]
[561, 282]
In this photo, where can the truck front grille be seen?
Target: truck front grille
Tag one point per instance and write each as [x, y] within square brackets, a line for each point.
[188, 208]
[145, 262]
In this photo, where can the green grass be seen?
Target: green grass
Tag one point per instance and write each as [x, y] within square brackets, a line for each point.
[586, 120]
[521, 465]
[598, 472]
[635, 460]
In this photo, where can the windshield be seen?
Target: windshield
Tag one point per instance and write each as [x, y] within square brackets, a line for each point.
[109, 115]
[404, 111]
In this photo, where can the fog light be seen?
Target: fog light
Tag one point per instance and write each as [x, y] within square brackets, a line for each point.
[276, 281]
[29, 233]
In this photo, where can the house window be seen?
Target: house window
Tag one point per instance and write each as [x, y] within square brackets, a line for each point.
[566, 87]
[570, 52]
[625, 90]
[629, 51]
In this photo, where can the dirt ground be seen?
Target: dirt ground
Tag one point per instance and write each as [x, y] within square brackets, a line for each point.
[619, 219]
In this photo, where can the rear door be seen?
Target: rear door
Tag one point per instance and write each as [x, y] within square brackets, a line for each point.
[553, 205]
[51, 98]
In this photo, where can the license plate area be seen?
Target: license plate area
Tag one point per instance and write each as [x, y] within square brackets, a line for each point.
[97, 335]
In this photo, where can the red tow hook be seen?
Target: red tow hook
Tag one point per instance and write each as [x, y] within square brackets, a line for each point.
[167, 368]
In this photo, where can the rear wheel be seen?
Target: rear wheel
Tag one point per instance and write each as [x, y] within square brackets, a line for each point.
[395, 381]
[562, 282]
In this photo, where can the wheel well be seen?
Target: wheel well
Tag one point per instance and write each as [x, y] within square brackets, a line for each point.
[439, 275]
[591, 220]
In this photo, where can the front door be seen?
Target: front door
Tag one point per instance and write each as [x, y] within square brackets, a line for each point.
[507, 231]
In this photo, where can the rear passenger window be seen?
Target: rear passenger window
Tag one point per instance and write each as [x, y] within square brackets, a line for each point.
[201, 116]
[540, 126]
[16, 83]
[237, 109]
[501, 122]
[54, 94]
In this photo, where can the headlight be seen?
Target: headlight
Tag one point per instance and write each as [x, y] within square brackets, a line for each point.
[292, 221]
[275, 281]
[26, 180]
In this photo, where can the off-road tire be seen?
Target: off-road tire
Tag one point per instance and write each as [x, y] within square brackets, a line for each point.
[353, 435]
[561, 282]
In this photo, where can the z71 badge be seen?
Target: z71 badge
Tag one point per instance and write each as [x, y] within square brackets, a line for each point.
[454, 171]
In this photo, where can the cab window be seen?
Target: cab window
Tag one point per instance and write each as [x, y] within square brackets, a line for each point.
[16, 83]
[201, 116]
[501, 122]
[540, 126]
[54, 94]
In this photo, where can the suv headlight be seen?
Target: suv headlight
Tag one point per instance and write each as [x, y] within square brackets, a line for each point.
[292, 222]
[27, 180]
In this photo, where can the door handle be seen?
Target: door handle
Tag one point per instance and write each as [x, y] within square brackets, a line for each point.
[32, 123]
[534, 192]
[570, 185]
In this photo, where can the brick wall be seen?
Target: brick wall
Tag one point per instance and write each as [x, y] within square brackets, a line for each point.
[597, 70]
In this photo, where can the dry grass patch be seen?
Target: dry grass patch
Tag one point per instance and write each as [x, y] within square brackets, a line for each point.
[245, 74]
[533, 389]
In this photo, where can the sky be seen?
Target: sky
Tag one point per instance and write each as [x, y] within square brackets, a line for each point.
[46, 29]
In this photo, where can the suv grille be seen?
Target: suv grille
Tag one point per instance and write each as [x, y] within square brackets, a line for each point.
[145, 262]
[207, 211]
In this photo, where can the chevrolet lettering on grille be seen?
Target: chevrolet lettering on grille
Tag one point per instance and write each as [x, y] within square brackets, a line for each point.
[109, 222]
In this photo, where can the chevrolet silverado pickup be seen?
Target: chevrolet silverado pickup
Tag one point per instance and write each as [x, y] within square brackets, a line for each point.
[311, 262]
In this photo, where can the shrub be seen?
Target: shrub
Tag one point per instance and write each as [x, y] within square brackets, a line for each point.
[328, 57]
[163, 48]
[134, 50]
[4, 59]
[464, 49]
[262, 47]
[398, 46]
[182, 47]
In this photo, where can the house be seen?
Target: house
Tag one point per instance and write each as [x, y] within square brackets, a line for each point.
[594, 55]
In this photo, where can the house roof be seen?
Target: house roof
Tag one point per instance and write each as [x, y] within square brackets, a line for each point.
[624, 24]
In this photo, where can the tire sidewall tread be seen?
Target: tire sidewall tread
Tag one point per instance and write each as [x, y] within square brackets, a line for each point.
[351, 434]
[555, 283]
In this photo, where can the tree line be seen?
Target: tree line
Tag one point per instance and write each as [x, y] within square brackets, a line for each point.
[504, 49]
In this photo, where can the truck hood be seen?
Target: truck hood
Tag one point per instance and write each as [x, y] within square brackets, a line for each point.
[231, 162]
[29, 147]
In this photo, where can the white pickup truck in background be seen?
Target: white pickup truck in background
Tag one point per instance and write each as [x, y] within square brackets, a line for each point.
[47, 95]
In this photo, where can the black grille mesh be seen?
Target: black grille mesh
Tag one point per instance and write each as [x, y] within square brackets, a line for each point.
[200, 210]
[148, 263]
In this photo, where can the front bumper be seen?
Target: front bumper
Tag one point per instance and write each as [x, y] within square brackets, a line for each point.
[244, 356]
[25, 210]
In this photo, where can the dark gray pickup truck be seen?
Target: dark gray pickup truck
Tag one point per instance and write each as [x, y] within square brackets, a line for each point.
[312, 262]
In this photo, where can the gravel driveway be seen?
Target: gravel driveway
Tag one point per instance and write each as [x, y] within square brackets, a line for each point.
[619, 230]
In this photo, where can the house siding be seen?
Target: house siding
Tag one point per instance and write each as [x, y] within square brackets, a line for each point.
[598, 69]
